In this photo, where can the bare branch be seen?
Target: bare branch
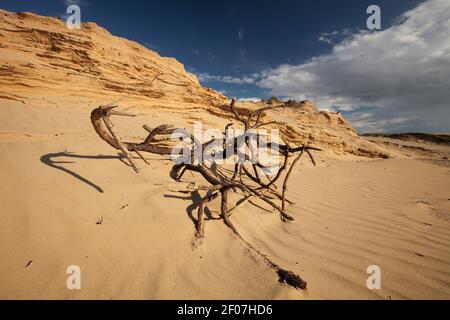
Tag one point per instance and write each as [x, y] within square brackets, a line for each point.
[119, 142]
[221, 182]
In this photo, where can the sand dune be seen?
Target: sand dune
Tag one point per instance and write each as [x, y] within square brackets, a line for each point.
[67, 198]
[59, 178]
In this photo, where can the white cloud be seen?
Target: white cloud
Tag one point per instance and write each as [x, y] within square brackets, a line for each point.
[250, 99]
[402, 72]
[224, 92]
[211, 56]
[331, 37]
[206, 77]
[241, 34]
[365, 121]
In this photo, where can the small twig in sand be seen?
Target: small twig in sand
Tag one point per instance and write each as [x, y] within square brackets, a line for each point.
[124, 206]
[100, 220]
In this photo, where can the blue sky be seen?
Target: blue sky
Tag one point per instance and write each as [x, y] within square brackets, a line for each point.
[261, 48]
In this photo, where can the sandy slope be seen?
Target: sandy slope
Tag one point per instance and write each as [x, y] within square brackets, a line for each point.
[59, 178]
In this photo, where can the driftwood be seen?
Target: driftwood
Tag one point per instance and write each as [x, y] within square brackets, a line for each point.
[250, 183]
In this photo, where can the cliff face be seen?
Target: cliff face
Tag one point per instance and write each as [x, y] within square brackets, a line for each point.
[302, 121]
[45, 63]
[42, 57]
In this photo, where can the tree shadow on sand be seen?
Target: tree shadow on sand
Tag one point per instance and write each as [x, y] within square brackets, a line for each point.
[195, 200]
[48, 159]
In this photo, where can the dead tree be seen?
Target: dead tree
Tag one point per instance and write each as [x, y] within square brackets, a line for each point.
[248, 182]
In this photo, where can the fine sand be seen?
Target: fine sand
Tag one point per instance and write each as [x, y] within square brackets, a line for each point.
[59, 179]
